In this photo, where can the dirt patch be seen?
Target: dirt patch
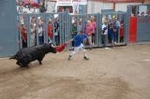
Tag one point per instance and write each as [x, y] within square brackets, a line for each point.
[118, 73]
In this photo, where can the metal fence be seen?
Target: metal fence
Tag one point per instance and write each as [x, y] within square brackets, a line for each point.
[65, 26]
[35, 29]
[8, 44]
[141, 13]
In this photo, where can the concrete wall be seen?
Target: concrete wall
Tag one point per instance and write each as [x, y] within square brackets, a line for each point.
[8, 31]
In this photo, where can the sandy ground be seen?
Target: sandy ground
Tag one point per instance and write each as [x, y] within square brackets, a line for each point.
[118, 73]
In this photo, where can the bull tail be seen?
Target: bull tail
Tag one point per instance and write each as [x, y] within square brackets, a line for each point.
[12, 57]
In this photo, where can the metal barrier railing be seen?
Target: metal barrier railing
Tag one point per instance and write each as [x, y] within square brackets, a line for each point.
[61, 27]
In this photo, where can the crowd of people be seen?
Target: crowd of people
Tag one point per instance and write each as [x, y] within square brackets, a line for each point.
[87, 26]
[112, 30]
[147, 13]
[31, 6]
[84, 32]
[37, 31]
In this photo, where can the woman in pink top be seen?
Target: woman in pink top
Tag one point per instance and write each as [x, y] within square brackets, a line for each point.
[89, 30]
[93, 23]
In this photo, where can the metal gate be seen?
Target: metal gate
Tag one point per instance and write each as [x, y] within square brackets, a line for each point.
[143, 28]
[80, 21]
[58, 24]
[68, 26]
[8, 32]
[117, 28]
[141, 13]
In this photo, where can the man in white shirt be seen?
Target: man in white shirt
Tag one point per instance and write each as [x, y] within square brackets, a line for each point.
[104, 34]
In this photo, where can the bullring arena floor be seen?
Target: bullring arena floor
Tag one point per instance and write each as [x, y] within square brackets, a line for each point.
[118, 73]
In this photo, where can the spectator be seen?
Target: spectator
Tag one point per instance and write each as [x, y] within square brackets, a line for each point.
[24, 35]
[56, 31]
[93, 23]
[33, 32]
[42, 6]
[104, 33]
[110, 33]
[50, 30]
[122, 32]
[40, 31]
[148, 13]
[142, 13]
[79, 25]
[117, 26]
[74, 31]
[115, 33]
[89, 31]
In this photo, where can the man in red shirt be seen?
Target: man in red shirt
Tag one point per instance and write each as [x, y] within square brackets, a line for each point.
[50, 31]
[24, 35]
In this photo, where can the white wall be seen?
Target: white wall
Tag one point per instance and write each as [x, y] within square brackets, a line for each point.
[50, 7]
[123, 6]
[95, 7]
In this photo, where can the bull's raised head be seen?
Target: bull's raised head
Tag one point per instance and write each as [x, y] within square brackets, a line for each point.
[51, 48]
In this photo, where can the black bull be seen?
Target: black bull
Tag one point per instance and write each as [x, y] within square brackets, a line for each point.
[26, 55]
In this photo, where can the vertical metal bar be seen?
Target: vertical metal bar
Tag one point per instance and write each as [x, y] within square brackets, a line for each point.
[60, 26]
[127, 24]
[99, 28]
[37, 35]
[119, 16]
[20, 27]
[28, 29]
[45, 27]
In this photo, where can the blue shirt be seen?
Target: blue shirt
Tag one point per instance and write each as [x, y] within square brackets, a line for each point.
[78, 39]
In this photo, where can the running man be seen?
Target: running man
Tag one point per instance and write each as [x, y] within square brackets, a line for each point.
[79, 41]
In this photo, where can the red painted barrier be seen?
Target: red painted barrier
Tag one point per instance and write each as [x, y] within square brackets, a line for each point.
[132, 29]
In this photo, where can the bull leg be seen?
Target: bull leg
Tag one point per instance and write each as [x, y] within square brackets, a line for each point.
[41, 58]
[24, 62]
[19, 63]
[40, 61]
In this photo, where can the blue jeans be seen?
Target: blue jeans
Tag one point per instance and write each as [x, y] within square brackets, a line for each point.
[41, 40]
[104, 40]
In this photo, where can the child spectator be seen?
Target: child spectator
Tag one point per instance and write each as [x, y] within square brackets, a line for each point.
[122, 32]
[50, 30]
[33, 32]
[40, 31]
[24, 35]
[104, 33]
[56, 31]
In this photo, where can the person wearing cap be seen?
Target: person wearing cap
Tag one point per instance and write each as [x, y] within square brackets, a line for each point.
[79, 41]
